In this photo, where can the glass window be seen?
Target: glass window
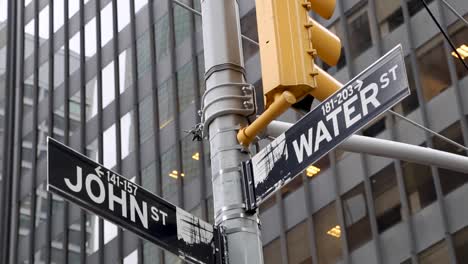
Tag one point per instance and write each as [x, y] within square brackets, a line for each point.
[127, 133]
[131, 258]
[299, 245]
[419, 185]
[161, 31]
[210, 210]
[375, 127]
[125, 69]
[414, 6]
[249, 29]
[201, 72]
[151, 253]
[90, 38]
[146, 119]
[389, 15]
[291, 186]
[359, 32]
[108, 91]
[107, 32]
[123, 14]
[410, 103]
[143, 54]
[91, 99]
[24, 217]
[272, 252]
[171, 258]
[460, 240]
[182, 23]
[170, 173]
[165, 100]
[386, 198]
[109, 145]
[327, 234]
[185, 83]
[437, 253]
[139, 4]
[191, 166]
[458, 33]
[433, 69]
[356, 217]
[148, 177]
[449, 179]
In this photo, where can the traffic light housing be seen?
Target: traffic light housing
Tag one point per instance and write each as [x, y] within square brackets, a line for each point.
[289, 41]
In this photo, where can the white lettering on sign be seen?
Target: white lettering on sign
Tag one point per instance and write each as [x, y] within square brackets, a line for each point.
[96, 190]
[351, 104]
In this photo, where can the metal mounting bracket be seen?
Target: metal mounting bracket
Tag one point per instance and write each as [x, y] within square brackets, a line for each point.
[220, 245]
[248, 187]
[240, 101]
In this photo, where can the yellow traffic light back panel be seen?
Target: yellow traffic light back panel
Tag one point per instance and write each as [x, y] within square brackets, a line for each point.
[289, 40]
[285, 47]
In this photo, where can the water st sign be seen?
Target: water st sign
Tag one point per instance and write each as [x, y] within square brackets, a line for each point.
[118, 200]
[358, 102]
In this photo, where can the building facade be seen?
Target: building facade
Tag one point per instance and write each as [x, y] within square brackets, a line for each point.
[125, 85]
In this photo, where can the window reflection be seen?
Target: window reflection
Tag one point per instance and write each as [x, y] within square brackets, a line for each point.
[272, 252]
[327, 235]
[185, 85]
[249, 29]
[161, 32]
[458, 33]
[143, 54]
[449, 179]
[460, 240]
[165, 100]
[437, 253]
[356, 217]
[125, 69]
[433, 69]
[182, 23]
[386, 198]
[168, 165]
[106, 27]
[191, 165]
[419, 185]
[146, 119]
[299, 245]
[359, 32]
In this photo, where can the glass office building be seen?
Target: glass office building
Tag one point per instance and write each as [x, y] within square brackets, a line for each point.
[122, 80]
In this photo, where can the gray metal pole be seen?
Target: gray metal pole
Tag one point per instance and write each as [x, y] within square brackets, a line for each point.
[390, 149]
[225, 107]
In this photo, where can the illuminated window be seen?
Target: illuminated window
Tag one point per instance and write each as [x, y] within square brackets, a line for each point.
[328, 246]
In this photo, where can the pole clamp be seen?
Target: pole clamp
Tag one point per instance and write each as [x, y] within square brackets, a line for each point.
[248, 187]
[225, 99]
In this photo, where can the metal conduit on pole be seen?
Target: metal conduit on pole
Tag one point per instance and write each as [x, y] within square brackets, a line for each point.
[225, 108]
[389, 149]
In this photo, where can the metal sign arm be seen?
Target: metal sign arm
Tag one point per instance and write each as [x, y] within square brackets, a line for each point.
[389, 149]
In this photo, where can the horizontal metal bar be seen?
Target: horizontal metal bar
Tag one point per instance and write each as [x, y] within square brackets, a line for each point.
[389, 149]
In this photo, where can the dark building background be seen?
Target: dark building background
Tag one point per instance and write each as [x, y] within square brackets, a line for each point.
[148, 81]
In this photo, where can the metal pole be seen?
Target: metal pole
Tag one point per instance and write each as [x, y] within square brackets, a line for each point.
[390, 149]
[223, 101]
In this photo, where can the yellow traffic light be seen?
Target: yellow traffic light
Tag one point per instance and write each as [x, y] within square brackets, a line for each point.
[289, 40]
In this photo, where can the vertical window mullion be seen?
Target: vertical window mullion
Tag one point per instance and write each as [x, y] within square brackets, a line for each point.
[82, 122]
[100, 140]
[66, 116]
[19, 139]
[50, 132]
[136, 111]
[118, 131]
[34, 132]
